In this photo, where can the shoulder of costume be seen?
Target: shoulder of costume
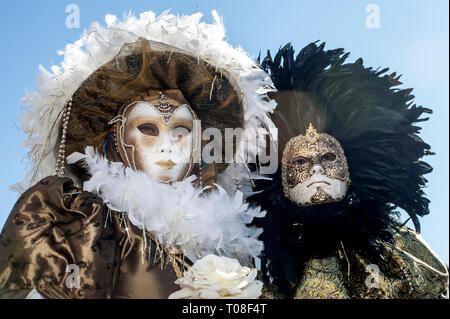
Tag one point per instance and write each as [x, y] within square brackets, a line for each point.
[427, 272]
[44, 234]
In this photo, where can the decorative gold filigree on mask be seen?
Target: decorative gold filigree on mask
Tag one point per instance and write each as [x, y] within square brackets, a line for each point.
[165, 108]
[320, 197]
[305, 155]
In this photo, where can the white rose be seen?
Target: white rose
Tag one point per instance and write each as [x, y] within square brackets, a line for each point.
[214, 277]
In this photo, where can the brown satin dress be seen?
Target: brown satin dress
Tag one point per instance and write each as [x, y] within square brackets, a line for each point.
[54, 225]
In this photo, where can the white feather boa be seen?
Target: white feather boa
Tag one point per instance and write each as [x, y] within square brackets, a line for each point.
[99, 44]
[199, 223]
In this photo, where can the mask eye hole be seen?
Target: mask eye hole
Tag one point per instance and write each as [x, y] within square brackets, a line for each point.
[148, 129]
[300, 161]
[180, 131]
[328, 157]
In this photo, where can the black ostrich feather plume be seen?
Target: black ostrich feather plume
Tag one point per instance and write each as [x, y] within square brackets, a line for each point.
[376, 124]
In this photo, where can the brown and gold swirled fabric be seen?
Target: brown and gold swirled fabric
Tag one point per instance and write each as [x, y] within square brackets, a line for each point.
[410, 270]
[53, 226]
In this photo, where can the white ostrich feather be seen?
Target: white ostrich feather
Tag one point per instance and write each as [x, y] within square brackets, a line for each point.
[177, 215]
[99, 44]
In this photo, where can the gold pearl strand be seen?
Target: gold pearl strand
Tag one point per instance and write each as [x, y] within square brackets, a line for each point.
[172, 255]
[61, 158]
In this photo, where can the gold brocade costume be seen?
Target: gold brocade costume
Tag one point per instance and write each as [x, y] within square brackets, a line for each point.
[54, 225]
[411, 270]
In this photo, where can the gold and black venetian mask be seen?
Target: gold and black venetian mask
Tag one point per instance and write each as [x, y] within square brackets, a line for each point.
[314, 169]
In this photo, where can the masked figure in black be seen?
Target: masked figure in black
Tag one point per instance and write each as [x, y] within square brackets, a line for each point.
[351, 159]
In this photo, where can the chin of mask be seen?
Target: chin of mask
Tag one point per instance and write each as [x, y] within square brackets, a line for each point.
[318, 189]
[157, 143]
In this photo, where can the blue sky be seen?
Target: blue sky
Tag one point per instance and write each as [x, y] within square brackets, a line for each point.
[412, 39]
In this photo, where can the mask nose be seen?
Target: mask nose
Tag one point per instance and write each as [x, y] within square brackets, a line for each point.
[316, 169]
[165, 150]
[166, 145]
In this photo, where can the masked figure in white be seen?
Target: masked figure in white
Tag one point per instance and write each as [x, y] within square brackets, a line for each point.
[156, 136]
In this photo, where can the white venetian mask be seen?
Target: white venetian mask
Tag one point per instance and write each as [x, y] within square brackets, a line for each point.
[157, 138]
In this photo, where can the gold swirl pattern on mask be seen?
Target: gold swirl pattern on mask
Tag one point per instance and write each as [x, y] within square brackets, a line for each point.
[304, 176]
[333, 173]
[296, 174]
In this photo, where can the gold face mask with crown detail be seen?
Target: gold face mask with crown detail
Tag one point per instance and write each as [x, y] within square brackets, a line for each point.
[314, 169]
[155, 135]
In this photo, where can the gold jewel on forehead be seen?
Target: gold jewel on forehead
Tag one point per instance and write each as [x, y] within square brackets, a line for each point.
[165, 108]
[311, 134]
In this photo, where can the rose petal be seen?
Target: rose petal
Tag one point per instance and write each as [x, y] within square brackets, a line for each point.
[184, 293]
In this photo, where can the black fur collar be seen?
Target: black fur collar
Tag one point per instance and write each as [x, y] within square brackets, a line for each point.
[293, 234]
